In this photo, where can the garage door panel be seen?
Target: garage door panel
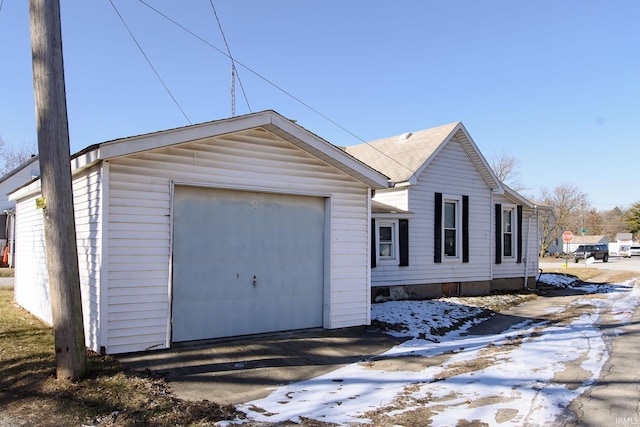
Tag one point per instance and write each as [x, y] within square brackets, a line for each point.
[222, 239]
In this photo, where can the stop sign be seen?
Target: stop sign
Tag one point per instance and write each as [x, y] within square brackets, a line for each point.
[567, 236]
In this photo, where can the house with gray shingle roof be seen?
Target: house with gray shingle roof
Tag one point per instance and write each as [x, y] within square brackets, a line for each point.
[448, 226]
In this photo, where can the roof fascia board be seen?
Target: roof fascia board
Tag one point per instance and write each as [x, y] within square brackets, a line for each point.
[392, 215]
[136, 144]
[416, 174]
[485, 170]
[26, 190]
[329, 153]
[85, 160]
[27, 164]
[513, 195]
[297, 135]
[78, 164]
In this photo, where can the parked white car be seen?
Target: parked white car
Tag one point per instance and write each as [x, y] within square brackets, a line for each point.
[623, 251]
[634, 250]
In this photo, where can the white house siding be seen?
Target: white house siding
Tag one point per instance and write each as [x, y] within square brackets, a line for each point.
[450, 173]
[31, 283]
[509, 268]
[398, 197]
[87, 197]
[140, 226]
[28, 171]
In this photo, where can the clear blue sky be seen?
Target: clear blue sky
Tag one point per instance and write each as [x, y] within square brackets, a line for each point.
[555, 84]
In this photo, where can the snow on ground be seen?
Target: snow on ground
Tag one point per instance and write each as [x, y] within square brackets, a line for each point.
[495, 379]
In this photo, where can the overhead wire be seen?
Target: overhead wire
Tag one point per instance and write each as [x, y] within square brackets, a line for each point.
[255, 73]
[252, 71]
[149, 62]
[234, 72]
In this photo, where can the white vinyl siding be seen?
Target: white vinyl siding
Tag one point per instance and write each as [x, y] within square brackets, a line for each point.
[32, 281]
[140, 224]
[452, 173]
[398, 197]
[87, 192]
[509, 268]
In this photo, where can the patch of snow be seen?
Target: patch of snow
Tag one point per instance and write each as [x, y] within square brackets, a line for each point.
[519, 381]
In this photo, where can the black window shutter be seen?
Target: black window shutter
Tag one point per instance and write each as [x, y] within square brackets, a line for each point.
[498, 233]
[519, 214]
[437, 229]
[373, 243]
[403, 231]
[465, 228]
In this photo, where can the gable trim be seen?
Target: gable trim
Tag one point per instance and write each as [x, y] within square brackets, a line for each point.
[268, 120]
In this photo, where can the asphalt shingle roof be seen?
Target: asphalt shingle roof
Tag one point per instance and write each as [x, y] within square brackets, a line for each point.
[400, 157]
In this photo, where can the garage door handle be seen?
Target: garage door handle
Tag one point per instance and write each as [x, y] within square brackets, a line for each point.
[255, 280]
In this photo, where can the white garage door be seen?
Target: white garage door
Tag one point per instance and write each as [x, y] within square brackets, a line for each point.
[245, 263]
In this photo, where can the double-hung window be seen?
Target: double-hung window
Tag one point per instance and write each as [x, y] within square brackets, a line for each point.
[390, 243]
[508, 231]
[451, 227]
[508, 228]
[387, 237]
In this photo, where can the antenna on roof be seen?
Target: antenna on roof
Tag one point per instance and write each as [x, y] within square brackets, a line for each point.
[233, 89]
[234, 72]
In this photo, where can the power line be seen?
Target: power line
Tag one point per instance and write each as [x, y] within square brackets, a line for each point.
[149, 62]
[290, 95]
[234, 72]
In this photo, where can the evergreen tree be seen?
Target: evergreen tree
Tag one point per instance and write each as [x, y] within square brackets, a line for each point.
[633, 218]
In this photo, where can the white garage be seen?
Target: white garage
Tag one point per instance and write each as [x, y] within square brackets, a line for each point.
[239, 226]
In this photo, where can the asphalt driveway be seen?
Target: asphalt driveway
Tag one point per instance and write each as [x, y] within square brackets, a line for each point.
[241, 370]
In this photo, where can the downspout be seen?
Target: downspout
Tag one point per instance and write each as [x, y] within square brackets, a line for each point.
[526, 254]
[11, 227]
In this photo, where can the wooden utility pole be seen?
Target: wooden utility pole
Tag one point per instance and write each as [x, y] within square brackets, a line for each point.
[55, 171]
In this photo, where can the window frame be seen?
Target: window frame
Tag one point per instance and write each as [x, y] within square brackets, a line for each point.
[512, 211]
[395, 241]
[457, 201]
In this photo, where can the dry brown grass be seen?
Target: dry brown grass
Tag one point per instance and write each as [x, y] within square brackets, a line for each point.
[110, 395]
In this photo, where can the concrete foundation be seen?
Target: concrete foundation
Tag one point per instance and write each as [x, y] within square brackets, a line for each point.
[449, 289]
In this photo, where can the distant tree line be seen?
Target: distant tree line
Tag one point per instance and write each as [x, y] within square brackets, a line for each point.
[565, 207]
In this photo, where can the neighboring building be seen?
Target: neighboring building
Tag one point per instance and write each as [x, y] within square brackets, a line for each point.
[557, 246]
[448, 226]
[18, 177]
[624, 238]
[233, 227]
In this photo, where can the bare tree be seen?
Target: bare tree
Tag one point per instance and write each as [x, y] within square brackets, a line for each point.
[11, 156]
[505, 166]
[569, 206]
[613, 223]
